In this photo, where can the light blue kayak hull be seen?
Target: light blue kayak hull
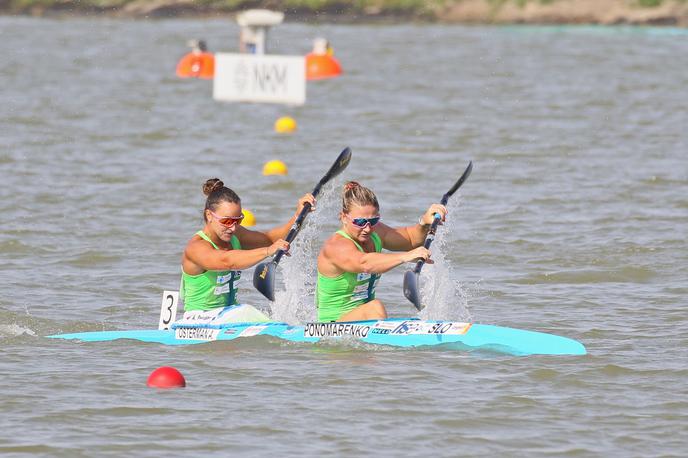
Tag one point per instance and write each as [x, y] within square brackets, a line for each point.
[397, 333]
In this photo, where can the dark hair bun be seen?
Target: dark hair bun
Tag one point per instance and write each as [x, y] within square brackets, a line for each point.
[211, 185]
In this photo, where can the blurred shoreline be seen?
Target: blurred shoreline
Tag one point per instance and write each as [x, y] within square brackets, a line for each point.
[606, 12]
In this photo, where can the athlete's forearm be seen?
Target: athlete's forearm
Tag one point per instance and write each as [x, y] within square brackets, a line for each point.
[407, 238]
[280, 232]
[416, 234]
[243, 259]
[379, 263]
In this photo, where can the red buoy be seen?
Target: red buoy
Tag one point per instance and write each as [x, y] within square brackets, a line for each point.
[166, 377]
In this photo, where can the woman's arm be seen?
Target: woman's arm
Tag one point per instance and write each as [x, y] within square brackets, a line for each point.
[257, 239]
[200, 256]
[406, 238]
[341, 255]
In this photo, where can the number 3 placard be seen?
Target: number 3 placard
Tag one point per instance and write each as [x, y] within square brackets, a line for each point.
[168, 309]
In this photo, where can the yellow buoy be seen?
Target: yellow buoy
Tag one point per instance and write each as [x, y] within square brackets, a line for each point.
[275, 168]
[249, 218]
[285, 125]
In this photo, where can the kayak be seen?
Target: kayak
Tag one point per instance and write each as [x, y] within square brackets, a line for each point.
[396, 332]
[410, 332]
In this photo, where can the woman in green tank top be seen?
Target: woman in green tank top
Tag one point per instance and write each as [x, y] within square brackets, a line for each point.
[351, 261]
[214, 257]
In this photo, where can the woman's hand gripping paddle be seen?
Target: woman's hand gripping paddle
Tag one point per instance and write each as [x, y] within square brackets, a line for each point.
[264, 275]
[411, 290]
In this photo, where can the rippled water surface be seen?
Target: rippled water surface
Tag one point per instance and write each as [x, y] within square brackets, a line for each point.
[574, 222]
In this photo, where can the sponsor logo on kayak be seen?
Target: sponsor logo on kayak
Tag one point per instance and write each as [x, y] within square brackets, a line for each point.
[424, 327]
[335, 330]
[196, 334]
[408, 327]
[199, 317]
[379, 331]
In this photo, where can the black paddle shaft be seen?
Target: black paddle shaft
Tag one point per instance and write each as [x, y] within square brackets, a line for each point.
[411, 289]
[339, 165]
[445, 198]
[264, 274]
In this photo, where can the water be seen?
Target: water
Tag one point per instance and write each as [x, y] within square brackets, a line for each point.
[573, 222]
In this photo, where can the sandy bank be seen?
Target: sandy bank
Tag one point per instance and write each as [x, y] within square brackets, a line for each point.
[566, 12]
[664, 12]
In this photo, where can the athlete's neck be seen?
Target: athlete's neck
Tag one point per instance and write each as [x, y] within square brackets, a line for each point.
[216, 240]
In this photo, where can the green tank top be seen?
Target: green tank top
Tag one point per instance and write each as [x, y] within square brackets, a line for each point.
[338, 295]
[212, 288]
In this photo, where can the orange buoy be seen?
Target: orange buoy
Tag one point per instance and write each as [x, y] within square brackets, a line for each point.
[321, 66]
[197, 65]
[166, 377]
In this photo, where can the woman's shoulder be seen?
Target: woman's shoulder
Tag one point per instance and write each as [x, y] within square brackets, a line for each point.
[337, 243]
[201, 241]
[338, 237]
[194, 242]
[196, 238]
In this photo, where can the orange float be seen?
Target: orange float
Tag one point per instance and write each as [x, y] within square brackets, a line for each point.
[197, 65]
[321, 66]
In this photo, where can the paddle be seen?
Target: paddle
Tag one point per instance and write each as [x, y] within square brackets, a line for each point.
[264, 275]
[411, 290]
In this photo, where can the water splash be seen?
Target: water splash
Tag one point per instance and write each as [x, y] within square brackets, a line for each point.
[445, 297]
[20, 323]
[295, 302]
[14, 330]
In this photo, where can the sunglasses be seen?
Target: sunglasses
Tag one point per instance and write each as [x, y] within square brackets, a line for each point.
[227, 221]
[361, 222]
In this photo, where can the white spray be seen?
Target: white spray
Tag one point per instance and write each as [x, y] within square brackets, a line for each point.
[445, 298]
[295, 302]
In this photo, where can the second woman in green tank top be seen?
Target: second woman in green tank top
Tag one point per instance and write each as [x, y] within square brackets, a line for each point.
[215, 256]
[351, 261]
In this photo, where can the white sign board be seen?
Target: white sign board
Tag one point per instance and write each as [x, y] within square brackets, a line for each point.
[260, 78]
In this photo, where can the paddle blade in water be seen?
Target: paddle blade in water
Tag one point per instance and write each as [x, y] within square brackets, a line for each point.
[411, 288]
[264, 279]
